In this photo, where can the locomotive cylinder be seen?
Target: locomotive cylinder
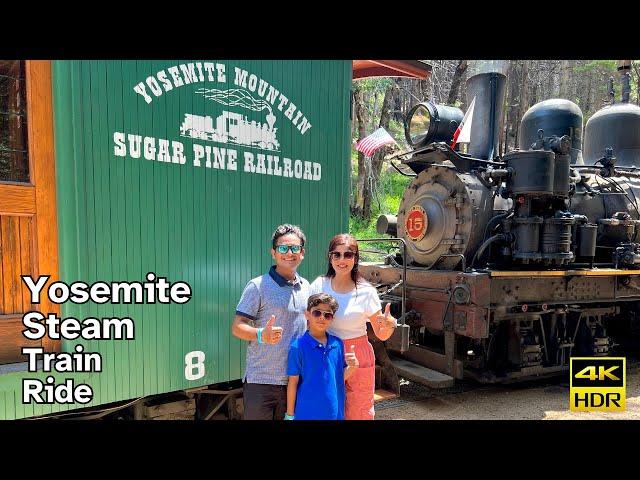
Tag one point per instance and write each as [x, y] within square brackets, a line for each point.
[556, 238]
[586, 240]
[533, 172]
[527, 233]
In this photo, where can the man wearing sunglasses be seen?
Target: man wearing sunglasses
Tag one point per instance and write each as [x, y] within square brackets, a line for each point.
[270, 315]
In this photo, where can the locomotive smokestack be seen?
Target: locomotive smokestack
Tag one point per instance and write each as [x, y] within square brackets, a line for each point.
[624, 66]
[486, 82]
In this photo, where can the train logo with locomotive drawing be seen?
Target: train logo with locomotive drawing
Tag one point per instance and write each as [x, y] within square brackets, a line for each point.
[231, 127]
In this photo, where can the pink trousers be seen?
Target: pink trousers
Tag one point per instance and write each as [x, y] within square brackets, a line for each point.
[361, 384]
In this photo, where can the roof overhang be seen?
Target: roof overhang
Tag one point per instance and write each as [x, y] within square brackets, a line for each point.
[391, 68]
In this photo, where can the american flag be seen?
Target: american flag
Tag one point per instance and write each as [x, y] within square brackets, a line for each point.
[373, 142]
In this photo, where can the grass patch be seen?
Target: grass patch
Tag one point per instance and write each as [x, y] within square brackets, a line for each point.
[387, 201]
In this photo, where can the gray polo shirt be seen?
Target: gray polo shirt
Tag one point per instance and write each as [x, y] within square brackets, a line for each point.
[272, 294]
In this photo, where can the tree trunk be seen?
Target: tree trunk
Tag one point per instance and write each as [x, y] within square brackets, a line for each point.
[587, 101]
[357, 199]
[372, 182]
[635, 69]
[565, 72]
[553, 84]
[524, 96]
[397, 104]
[509, 101]
[455, 82]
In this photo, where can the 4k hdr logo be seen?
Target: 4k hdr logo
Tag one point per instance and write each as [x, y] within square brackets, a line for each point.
[598, 384]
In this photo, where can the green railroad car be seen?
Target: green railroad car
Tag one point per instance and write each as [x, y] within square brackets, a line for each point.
[110, 170]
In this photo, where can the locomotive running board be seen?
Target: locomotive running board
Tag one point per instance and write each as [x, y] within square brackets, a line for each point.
[418, 373]
[596, 272]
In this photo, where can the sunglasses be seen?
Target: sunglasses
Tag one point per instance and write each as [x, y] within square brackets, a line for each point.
[282, 249]
[339, 255]
[320, 313]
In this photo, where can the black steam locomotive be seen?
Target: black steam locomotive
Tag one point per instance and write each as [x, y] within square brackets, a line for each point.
[512, 264]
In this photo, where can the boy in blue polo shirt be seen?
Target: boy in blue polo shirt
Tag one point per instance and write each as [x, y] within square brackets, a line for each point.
[318, 366]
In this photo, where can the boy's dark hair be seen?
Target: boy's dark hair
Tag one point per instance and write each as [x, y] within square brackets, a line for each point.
[285, 229]
[322, 299]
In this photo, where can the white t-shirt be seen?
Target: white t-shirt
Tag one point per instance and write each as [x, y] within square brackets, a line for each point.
[355, 309]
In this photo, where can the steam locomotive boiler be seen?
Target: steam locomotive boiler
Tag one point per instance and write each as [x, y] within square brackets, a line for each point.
[512, 264]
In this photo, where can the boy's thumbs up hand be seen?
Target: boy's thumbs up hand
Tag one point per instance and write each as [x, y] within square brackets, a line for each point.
[351, 359]
[271, 334]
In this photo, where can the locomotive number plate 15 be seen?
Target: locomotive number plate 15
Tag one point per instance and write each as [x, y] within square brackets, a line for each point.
[416, 223]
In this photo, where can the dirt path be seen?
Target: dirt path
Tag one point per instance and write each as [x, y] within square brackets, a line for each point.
[547, 400]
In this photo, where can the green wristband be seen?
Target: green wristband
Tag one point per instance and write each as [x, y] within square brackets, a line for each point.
[259, 335]
[289, 417]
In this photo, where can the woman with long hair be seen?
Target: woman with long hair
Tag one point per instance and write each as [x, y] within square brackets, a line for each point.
[359, 304]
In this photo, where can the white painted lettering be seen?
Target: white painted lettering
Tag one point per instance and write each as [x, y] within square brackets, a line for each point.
[163, 151]
[135, 142]
[289, 112]
[139, 89]
[149, 148]
[175, 75]
[166, 83]
[241, 77]
[307, 171]
[248, 162]
[178, 153]
[209, 66]
[200, 75]
[198, 154]
[272, 95]
[283, 101]
[304, 125]
[261, 168]
[253, 82]
[153, 85]
[262, 87]
[287, 172]
[222, 76]
[119, 149]
[232, 157]
[188, 73]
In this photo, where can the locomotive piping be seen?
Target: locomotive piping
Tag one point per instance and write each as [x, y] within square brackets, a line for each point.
[485, 244]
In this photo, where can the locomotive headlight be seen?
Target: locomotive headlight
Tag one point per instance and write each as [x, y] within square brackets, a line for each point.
[427, 122]
[418, 121]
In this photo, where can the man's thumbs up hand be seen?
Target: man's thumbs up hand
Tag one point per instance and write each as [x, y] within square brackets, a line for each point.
[271, 334]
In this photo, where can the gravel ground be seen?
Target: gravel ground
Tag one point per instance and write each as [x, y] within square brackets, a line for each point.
[539, 400]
